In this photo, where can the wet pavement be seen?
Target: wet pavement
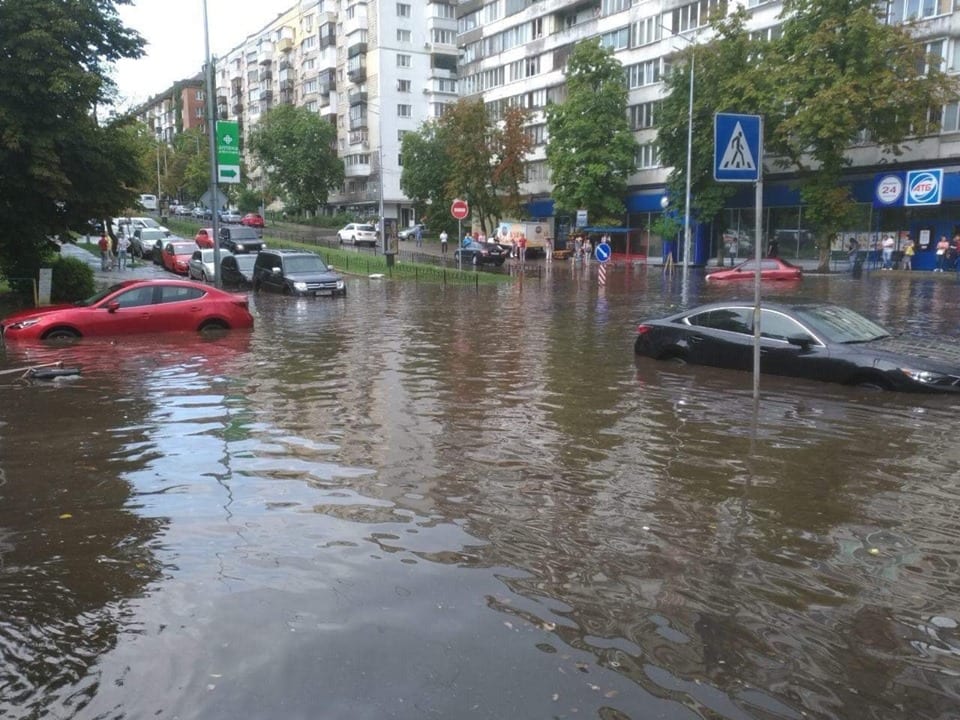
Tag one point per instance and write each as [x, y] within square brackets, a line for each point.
[436, 501]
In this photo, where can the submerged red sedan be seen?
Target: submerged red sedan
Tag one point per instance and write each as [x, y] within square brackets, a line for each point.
[176, 256]
[770, 269]
[133, 307]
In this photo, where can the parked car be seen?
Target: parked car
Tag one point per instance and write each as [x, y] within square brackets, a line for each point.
[254, 220]
[294, 272]
[230, 216]
[201, 265]
[770, 269]
[201, 213]
[133, 307]
[147, 222]
[358, 234]
[241, 239]
[237, 270]
[476, 253]
[411, 232]
[183, 210]
[812, 340]
[175, 256]
[144, 240]
[204, 238]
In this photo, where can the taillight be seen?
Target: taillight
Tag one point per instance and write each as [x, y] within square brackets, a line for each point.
[644, 329]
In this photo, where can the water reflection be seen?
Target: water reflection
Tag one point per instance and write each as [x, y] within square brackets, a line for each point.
[476, 503]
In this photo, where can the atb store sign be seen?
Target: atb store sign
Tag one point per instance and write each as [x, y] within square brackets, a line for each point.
[911, 189]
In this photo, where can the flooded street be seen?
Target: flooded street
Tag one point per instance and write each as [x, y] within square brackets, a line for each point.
[442, 502]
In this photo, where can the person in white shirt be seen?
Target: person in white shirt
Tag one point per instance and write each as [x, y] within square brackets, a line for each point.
[443, 242]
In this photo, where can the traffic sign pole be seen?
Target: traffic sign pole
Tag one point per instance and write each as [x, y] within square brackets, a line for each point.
[459, 209]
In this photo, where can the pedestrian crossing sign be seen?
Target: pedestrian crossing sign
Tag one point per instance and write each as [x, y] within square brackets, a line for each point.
[738, 147]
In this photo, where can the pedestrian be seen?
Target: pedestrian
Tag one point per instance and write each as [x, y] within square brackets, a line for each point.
[956, 251]
[123, 247]
[548, 248]
[773, 247]
[942, 247]
[522, 248]
[732, 249]
[887, 248]
[467, 239]
[513, 245]
[418, 234]
[578, 249]
[587, 249]
[443, 242]
[908, 251]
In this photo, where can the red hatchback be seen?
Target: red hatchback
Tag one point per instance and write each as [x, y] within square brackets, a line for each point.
[176, 256]
[133, 307]
[770, 269]
[252, 220]
[204, 238]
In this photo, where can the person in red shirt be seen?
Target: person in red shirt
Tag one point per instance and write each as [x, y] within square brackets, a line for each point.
[104, 245]
[522, 247]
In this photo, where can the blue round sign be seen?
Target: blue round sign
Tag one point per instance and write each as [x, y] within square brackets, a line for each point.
[602, 252]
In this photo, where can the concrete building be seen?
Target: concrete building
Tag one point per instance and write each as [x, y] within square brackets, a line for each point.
[514, 52]
[374, 69]
[179, 108]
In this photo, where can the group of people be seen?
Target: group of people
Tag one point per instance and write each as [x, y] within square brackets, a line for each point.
[947, 253]
[113, 250]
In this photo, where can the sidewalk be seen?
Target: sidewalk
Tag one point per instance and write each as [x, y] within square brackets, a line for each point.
[142, 270]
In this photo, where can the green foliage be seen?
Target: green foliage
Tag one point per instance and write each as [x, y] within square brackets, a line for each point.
[58, 164]
[426, 168]
[248, 200]
[72, 280]
[591, 148]
[298, 150]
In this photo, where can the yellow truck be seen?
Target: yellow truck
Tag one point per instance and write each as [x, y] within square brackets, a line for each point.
[536, 232]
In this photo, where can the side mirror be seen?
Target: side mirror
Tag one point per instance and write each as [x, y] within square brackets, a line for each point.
[802, 341]
[113, 306]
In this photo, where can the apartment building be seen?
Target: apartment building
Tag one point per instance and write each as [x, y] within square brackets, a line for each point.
[514, 52]
[374, 69]
[179, 108]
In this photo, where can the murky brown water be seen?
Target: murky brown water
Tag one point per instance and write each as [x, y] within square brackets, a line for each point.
[435, 502]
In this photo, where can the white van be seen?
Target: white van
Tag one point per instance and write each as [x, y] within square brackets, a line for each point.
[148, 202]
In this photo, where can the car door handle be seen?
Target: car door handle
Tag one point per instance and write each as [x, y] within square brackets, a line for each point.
[696, 338]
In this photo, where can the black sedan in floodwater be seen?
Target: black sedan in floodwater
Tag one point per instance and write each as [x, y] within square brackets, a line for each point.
[811, 340]
[476, 253]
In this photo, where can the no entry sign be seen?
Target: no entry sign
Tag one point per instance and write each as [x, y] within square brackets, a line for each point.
[459, 209]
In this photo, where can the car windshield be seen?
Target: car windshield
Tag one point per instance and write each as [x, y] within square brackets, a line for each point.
[243, 234]
[366, 228]
[93, 299]
[149, 222]
[184, 248]
[841, 325]
[305, 263]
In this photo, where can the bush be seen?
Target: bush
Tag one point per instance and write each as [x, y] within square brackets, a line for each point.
[72, 280]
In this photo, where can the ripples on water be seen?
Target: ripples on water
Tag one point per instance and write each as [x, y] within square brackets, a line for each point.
[432, 501]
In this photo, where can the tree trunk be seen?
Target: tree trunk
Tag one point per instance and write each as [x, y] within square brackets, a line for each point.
[824, 265]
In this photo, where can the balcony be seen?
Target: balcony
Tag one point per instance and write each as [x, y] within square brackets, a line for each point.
[266, 96]
[357, 97]
[265, 76]
[355, 24]
[356, 47]
[357, 69]
[357, 170]
[286, 85]
[266, 54]
[285, 45]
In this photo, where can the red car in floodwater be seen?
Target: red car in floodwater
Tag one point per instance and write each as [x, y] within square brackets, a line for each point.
[254, 220]
[770, 269]
[204, 238]
[134, 307]
[176, 256]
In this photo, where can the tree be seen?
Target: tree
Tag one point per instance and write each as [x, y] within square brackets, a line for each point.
[726, 79]
[840, 70]
[512, 143]
[591, 149]
[298, 150]
[58, 164]
[426, 168]
[469, 138]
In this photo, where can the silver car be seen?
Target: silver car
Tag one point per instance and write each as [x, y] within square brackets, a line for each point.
[201, 264]
[145, 239]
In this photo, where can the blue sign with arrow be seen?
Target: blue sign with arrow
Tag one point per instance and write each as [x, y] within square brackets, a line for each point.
[602, 252]
[737, 148]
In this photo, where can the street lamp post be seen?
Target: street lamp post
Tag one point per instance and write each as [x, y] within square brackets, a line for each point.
[159, 140]
[686, 202]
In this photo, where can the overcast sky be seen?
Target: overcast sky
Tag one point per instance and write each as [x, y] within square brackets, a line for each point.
[175, 48]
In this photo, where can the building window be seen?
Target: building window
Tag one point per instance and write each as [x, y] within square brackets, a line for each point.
[309, 42]
[646, 73]
[444, 37]
[199, 95]
[904, 11]
[403, 36]
[648, 156]
[537, 134]
[951, 118]
[609, 7]
[935, 49]
[616, 40]
[403, 86]
[403, 60]
[403, 10]
[695, 14]
[643, 115]
[404, 111]
[537, 171]
[646, 31]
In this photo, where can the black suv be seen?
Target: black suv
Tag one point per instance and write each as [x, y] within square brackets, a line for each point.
[240, 239]
[294, 272]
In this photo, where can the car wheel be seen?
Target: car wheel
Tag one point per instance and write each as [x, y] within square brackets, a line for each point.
[868, 382]
[61, 334]
[353, 240]
[213, 325]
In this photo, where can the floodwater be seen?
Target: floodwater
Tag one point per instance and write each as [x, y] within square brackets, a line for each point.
[437, 502]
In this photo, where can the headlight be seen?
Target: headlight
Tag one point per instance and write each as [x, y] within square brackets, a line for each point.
[300, 286]
[339, 284]
[23, 324]
[240, 246]
[923, 376]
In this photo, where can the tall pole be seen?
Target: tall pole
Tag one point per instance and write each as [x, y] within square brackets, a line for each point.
[159, 140]
[382, 222]
[686, 202]
[212, 135]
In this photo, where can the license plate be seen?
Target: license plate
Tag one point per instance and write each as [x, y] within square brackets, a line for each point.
[317, 293]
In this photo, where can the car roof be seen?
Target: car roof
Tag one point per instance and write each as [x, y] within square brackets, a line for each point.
[287, 253]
